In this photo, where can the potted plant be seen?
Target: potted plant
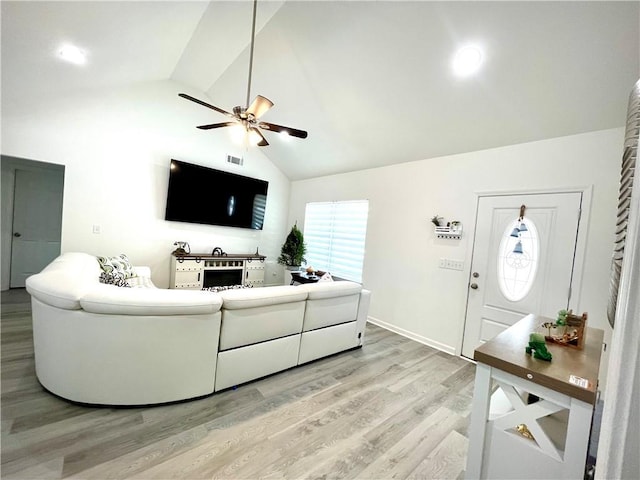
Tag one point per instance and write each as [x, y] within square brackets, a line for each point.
[293, 250]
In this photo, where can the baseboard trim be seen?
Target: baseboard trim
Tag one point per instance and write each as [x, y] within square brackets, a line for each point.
[413, 336]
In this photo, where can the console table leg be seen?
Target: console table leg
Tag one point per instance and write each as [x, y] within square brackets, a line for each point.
[577, 444]
[478, 423]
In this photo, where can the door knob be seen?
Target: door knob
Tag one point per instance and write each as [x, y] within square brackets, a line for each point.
[474, 286]
[17, 234]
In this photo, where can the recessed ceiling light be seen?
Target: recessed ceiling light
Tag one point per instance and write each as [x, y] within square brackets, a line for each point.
[72, 54]
[467, 61]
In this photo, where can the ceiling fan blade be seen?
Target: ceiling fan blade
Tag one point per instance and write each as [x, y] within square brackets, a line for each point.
[263, 141]
[294, 132]
[216, 125]
[259, 106]
[200, 102]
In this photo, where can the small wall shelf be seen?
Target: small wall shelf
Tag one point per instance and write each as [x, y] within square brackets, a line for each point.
[454, 232]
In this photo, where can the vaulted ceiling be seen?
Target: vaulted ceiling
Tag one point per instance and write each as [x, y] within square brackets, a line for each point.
[371, 81]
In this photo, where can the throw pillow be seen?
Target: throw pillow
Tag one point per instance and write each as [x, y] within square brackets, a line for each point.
[119, 264]
[326, 278]
[113, 279]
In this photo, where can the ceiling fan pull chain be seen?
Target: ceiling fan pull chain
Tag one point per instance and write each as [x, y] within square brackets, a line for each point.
[253, 38]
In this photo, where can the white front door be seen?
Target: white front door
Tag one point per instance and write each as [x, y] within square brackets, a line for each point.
[37, 222]
[505, 286]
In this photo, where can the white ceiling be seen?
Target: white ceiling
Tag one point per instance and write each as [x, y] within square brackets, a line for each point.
[369, 80]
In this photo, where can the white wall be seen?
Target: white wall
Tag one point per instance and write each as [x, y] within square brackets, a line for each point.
[409, 292]
[116, 146]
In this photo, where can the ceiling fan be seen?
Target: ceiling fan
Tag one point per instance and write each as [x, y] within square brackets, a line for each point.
[248, 116]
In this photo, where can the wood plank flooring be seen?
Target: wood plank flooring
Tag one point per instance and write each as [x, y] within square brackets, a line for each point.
[392, 409]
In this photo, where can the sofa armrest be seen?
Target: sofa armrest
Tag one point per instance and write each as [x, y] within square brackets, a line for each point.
[58, 289]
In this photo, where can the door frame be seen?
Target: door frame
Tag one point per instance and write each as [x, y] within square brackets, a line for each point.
[9, 164]
[580, 251]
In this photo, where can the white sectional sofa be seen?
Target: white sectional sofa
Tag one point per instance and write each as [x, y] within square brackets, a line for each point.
[102, 344]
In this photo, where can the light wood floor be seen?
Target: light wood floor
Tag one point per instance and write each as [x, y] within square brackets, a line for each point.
[392, 409]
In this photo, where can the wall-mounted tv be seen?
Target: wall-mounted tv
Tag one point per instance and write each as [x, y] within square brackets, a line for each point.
[204, 195]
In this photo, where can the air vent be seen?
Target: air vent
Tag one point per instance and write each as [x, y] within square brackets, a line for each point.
[235, 160]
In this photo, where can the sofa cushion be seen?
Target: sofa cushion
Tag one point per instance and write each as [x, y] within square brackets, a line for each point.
[246, 326]
[259, 297]
[148, 301]
[119, 264]
[330, 289]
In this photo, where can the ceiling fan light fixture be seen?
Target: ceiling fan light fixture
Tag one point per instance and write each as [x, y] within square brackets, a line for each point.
[284, 136]
[237, 134]
[254, 137]
[467, 61]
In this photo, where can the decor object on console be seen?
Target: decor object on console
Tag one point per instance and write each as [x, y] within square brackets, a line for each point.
[183, 248]
[523, 430]
[574, 331]
[246, 118]
[538, 347]
[99, 344]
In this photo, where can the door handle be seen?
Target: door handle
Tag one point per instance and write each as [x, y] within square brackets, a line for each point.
[17, 234]
[474, 286]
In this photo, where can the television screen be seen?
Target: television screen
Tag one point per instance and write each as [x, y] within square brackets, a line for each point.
[199, 194]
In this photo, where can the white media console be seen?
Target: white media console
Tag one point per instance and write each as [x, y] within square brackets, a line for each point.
[200, 270]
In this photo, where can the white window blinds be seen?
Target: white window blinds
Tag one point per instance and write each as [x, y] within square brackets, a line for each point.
[335, 234]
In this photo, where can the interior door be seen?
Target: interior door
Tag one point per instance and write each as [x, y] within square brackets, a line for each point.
[37, 222]
[506, 285]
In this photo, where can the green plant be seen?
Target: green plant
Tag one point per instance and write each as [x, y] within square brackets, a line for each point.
[293, 249]
[436, 220]
[562, 317]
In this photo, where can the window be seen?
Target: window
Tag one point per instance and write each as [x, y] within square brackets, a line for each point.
[259, 207]
[335, 233]
[517, 268]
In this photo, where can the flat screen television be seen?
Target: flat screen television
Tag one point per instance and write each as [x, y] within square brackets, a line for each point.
[204, 195]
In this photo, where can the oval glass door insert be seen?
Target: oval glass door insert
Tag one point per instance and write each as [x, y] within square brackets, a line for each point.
[517, 271]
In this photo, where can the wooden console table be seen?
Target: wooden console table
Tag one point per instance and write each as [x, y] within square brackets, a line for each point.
[559, 422]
